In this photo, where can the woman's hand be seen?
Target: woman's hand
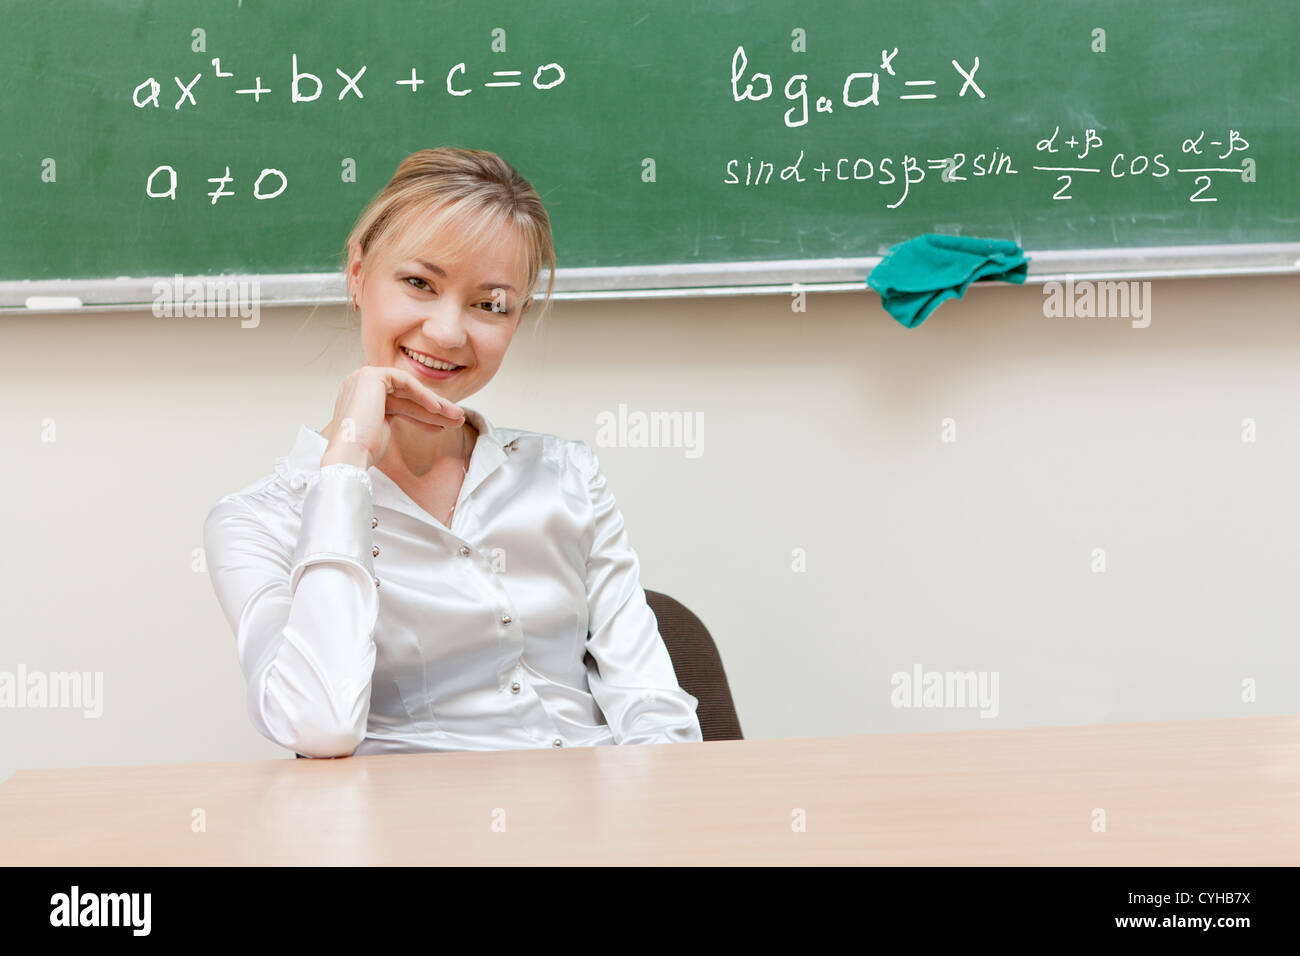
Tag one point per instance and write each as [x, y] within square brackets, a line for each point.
[368, 399]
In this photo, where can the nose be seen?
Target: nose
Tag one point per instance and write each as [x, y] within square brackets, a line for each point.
[444, 323]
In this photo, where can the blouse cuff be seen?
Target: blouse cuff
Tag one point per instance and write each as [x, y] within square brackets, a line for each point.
[336, 519]
[342, 469]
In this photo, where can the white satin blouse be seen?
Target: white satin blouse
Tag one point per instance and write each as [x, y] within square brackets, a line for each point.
[364, 625]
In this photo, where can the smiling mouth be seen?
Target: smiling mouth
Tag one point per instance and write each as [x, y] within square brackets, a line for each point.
[428, 362]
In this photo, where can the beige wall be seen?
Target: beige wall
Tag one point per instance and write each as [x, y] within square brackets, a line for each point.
[822, 433]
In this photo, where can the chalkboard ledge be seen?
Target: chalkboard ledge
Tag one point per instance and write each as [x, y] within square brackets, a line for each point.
[662, 281]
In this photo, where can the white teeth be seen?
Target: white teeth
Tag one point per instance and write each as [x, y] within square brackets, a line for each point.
[444, 366]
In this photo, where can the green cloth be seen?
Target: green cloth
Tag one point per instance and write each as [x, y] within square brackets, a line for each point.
[915, 276]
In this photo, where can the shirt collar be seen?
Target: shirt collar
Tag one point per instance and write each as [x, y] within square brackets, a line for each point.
[490, 451]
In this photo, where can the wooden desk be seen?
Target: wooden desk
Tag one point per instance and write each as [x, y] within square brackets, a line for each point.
[1211, 792]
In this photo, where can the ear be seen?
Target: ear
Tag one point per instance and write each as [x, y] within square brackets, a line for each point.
[353, 275]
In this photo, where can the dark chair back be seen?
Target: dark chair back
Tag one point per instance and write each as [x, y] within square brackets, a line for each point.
[698, 666]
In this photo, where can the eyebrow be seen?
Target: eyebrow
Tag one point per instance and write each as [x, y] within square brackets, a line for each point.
[485, 285]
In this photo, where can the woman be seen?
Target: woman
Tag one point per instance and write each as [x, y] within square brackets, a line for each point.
[412, 578]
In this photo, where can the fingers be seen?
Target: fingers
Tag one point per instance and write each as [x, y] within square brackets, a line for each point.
[406, 385]
[407, 408]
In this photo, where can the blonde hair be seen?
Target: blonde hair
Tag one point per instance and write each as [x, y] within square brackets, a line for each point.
[467, 193]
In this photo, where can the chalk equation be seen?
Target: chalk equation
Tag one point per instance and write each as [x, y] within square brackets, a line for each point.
[903, 173]
[306, 87]
[858, 90]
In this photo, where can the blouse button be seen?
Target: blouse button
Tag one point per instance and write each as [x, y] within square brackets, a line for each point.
[514, 688]
[505, 619]
[376, 582]
[375, 551]
[374, 522]
[464, 552]
[557, 742]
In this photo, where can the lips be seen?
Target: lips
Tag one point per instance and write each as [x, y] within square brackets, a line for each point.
[411, 353]
[437, 374]
[436, 358]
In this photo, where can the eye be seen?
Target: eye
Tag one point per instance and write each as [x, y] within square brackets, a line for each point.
[419, 280]
[489, 304]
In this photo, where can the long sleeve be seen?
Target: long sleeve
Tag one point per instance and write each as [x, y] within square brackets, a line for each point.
[635, 686]
[304, 621]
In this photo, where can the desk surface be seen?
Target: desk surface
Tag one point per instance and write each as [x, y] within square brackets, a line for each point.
[1204, 792]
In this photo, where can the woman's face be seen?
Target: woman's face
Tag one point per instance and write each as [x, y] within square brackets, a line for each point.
[446, 312]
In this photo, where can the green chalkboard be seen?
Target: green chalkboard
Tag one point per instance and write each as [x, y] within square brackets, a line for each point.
[1168, 89]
